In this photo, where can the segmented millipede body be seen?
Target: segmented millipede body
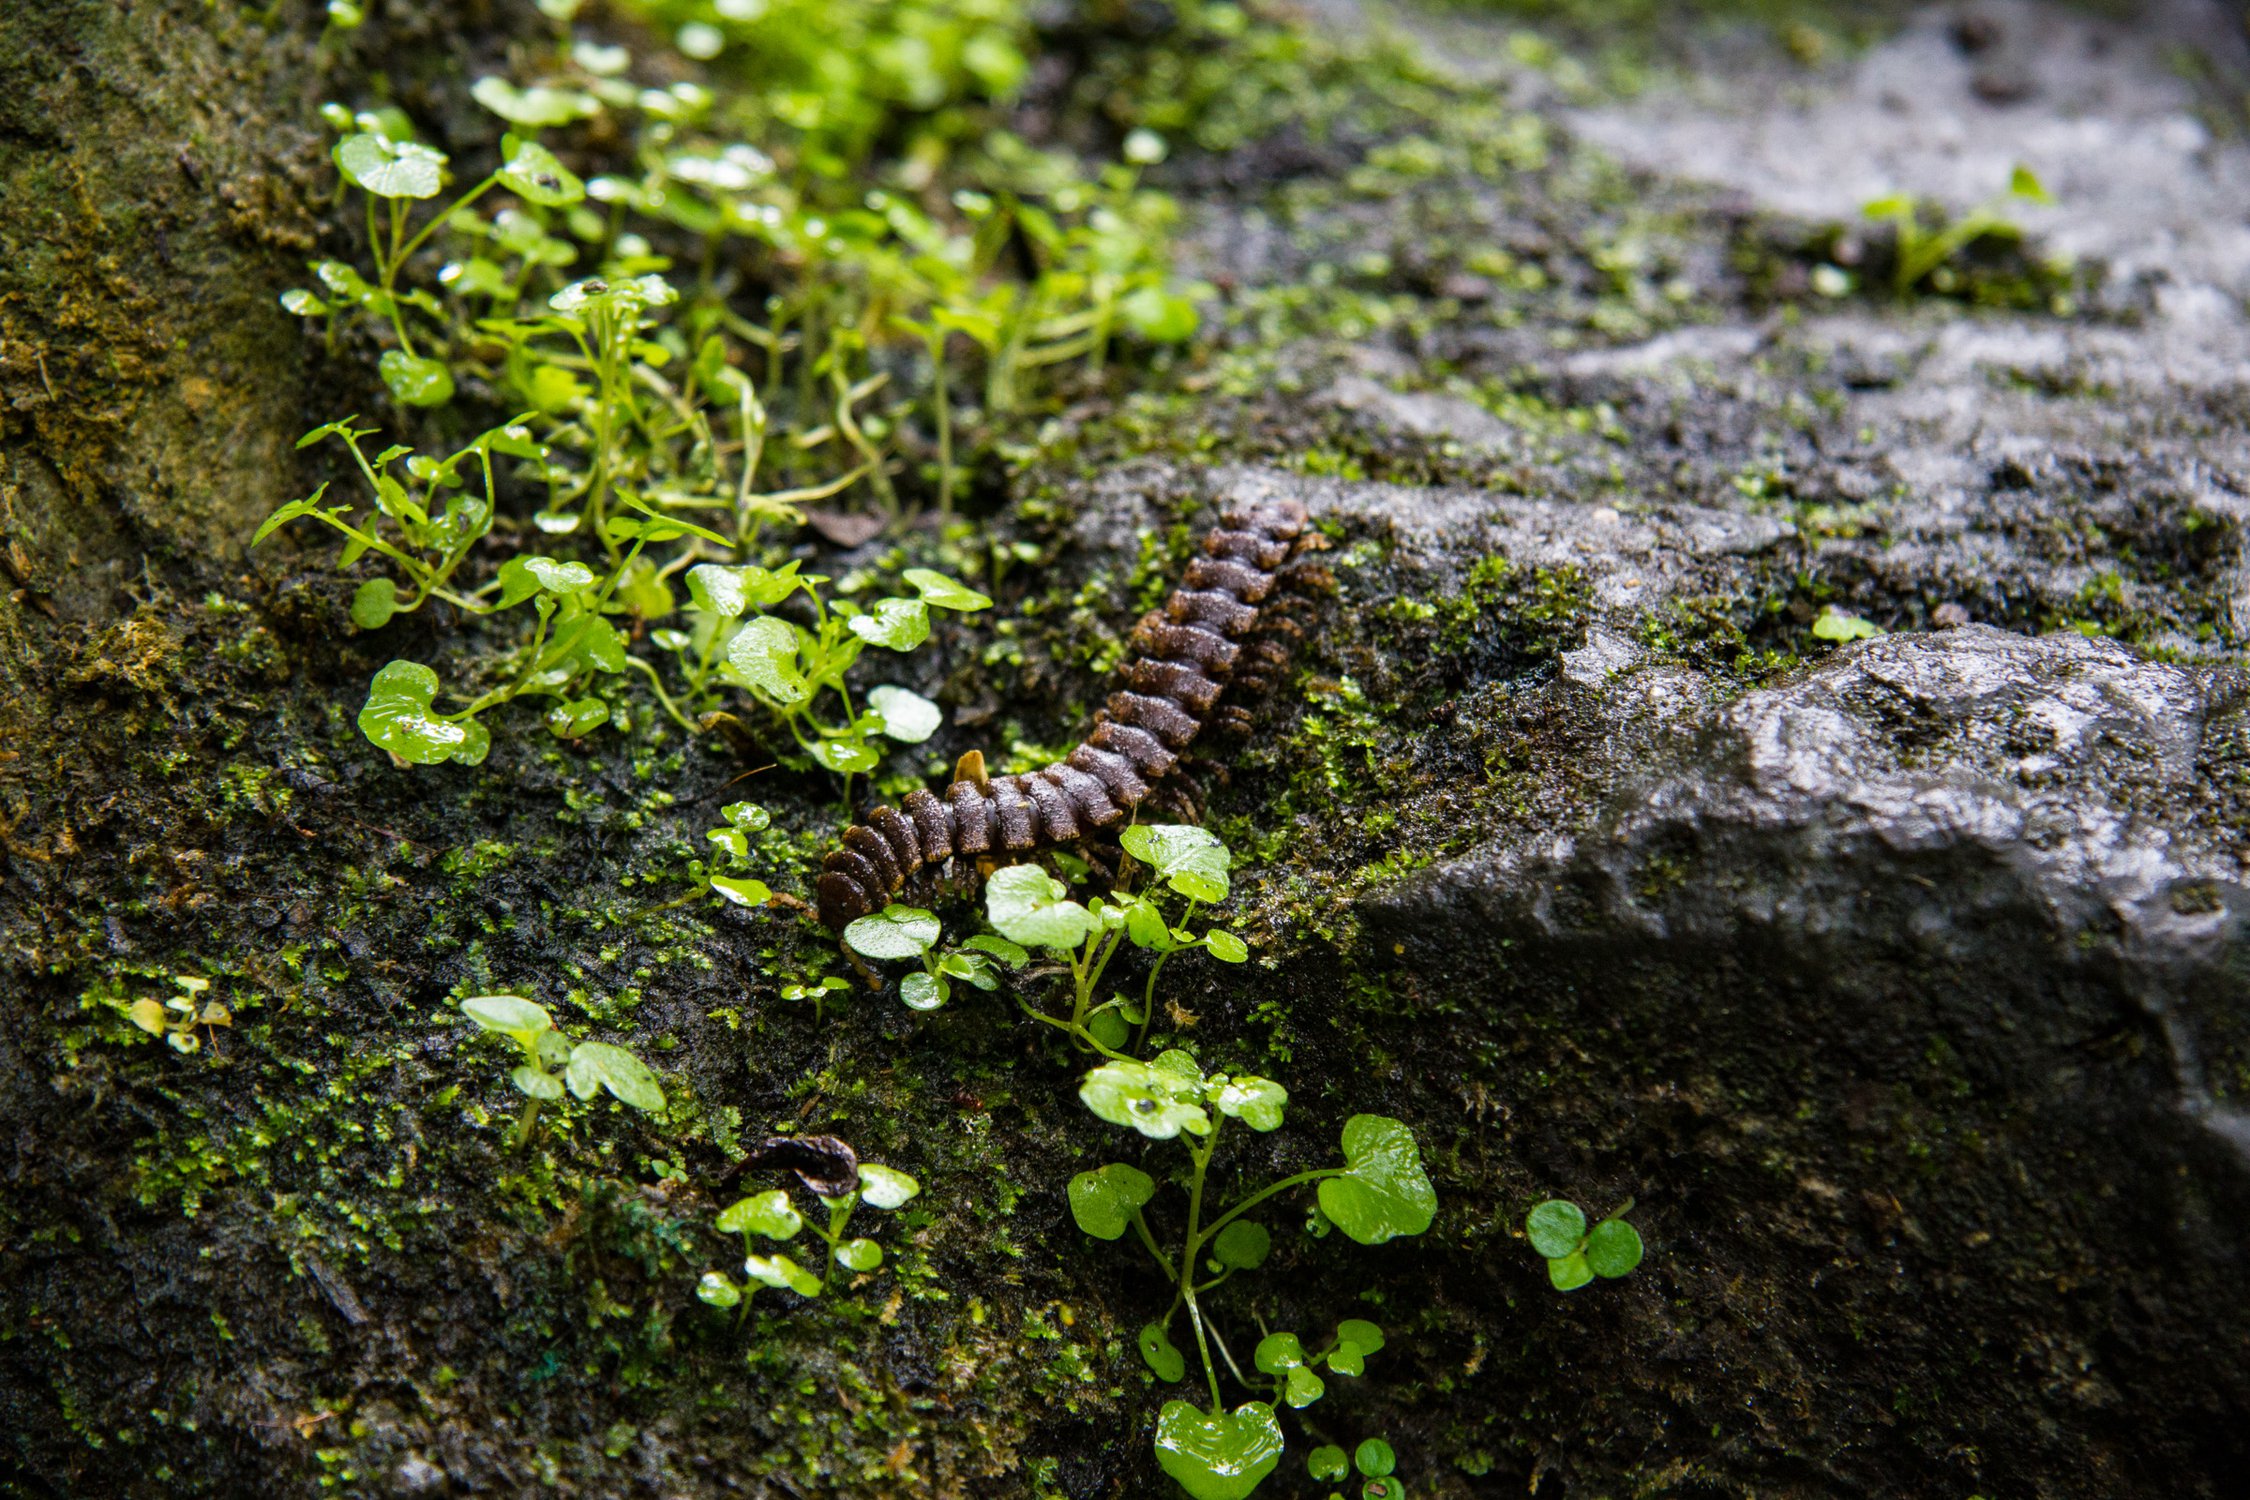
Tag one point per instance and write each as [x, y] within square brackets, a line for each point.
[1187, 654]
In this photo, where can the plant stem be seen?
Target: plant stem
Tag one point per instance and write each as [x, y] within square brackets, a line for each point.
[528, 1121]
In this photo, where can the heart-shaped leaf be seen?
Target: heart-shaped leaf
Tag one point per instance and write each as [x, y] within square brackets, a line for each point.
[415, 381]
[767, 1213]
[780, 1270]
[1190, 860]
[741, 892]
[896, 624]
[1218, 1457]
[1244, 1245]
[1159, 1355]
[894, 932]
[1383, 1193]
[1301, 1388]
[907, 717]
[534, 175]
[388, 168]
[397, 718]
[727, 592]
[1257, 1102]
[1277, 1353]
[1569, 1272]
[373, 603]
[511, 1015]
[1555, 1228]
[942, 592]
[859, 1255]
[1613, 1247]
[598, 1065]
[1154, 1102]
[1103, 1200]
[885, 1187]
[923, 992]
[1360, 1333]
[763, 657]
[1029, 906]
[1328, 1462]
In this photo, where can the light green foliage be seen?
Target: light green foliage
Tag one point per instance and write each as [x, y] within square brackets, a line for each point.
[1029, 906]
[655, 413]
[176, 1019]
[1923, 253]
[1575, 1253]
[898, 932]
[771, 1216]
[1385, 1194]
[1838, 625]
[588, 1068]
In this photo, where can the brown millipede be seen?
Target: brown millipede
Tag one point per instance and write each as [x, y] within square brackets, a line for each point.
[1185, 656]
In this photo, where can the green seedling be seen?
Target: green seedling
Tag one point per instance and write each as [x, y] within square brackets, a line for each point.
[586, 1068]
[1375, 1461]
[1924, 252]
[1295, 1373]
[731, 846]
[1841, 625]
[177, 1019]
[898, 932]
[1031, 908]
[1379, 1194]
[1575, 1253]
[840, 1182]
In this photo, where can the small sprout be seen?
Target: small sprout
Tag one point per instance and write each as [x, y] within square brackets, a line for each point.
[1574, 1253]
[176, 1019]
[588, 1067]
[835, 1174]
[397, 717]
[1839, 625]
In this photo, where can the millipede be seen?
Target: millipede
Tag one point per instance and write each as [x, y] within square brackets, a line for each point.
[1214, 636]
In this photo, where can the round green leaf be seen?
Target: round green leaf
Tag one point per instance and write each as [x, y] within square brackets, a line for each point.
[942, 592]
[718, 1290]
[1383, 1193]
[534, 175]
[373, 603]
[763, 656]
[907, 717]
[1555, 1227]
[1218, 1458]
[1375, 1459]
[537, 1082]
[1569, 1272]
[742, 892]
[533, 107]
[894, 932]
[1103, 1200]
[415, 381]
[1278, 1353]
[1613, 1247]
[388, 168]
[1348, 1358]
[1146, 927]
[598, 1065]
[1301, 1388]
[1027, 906]
[846, 757]
[397, 718]
[1159, 1355]
[1328, 1462]
[766, 1213]
[1159, 316]
[896, 624]
[1359, 1332]
[885, 1187]
[859, 1255]
[747, 816]
[1256, 1102]
[575, 718]
[510, 1015]
[780, 1270]
[923, 992]
[1225, 946]
[1243, 1245]
[1147, 1099]
[1190, 860]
